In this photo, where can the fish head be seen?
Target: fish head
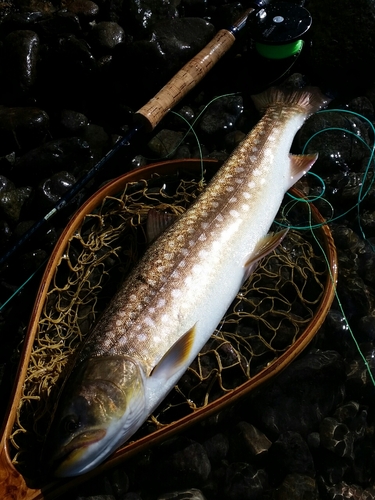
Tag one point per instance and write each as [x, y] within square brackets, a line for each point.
[101, 406]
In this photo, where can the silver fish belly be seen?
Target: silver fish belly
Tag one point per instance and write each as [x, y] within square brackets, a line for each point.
[173, 300]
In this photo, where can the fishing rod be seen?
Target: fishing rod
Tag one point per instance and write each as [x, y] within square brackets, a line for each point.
[147, 117]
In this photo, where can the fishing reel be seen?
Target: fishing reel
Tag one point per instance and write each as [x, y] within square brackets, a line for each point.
[276, 33]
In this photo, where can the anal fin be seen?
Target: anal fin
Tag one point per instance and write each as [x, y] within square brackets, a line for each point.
[157, 223]
[265, 246]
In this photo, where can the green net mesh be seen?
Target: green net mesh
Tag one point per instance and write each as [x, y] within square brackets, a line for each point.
[268, 315]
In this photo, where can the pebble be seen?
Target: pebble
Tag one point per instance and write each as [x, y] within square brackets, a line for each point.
[106, 35]
[192, 494]
[21, 48]
[297, 487]
[22, 128]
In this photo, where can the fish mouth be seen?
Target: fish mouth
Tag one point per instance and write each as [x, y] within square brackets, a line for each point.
[72, 458]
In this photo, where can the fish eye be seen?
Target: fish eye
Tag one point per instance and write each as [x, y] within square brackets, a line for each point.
[70, 424]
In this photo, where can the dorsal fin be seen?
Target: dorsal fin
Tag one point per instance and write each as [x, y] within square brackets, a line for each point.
[157, 223]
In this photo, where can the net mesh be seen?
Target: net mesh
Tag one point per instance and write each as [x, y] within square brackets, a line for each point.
[267, 316]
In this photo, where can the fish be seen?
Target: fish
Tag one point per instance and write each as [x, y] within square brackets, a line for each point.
[172, 301]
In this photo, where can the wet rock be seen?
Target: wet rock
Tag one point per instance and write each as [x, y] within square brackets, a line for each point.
[12, 201]
[5, 233]
[97, 138]
[288, 455]
[216, 447]
[165, 143]
[249, 443]
[21, 48]
[6, 184]
[73, 154]
[339, 151]
[221, 115]
[85, 9]
[59, 23]
[53, 188]
[336, 437]
[354, 38]
[302, 395]
[73, 122]
[142, 15]
[359, 382]
[297, 487]
[22, 128]
[356, 297]
[106, 35]
[138, 161]
[344, 491]
[192, 494]
[185, 464]
[242, 481]
[32, 260]
[74, 54]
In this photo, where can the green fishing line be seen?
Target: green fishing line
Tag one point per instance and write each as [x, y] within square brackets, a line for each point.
[361, 197]
[281, 51]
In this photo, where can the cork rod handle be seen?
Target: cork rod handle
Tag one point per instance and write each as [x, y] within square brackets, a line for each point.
[183, 81]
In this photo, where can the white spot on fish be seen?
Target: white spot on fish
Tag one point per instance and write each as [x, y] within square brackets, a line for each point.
[203, 253]
[152, 310]
[233, 199]
[239, 170]
[204, 225]
[253, 158]
[245, 207]
[161, 303]
[246, 195]
[234, 214]
[168, 256]
[176, 292]
[148, 321]
[263, 180]
[160, 269]
[239, 181]
[141, 337]
[191, 243]
[165, 318]
[118, 322]
[215, 204]
[229, 189]
[251, 185]
[257, 172]
[202, 237]
[133, 297]
[184, 251]
[219, 217]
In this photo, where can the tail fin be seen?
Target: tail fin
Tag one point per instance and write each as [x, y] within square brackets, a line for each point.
[309, 99]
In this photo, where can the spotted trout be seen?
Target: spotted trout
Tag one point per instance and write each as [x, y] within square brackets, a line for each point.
[173, 300]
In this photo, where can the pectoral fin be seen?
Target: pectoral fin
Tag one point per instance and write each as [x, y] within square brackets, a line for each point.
[300, 165]
[265, 246]
[176, 357]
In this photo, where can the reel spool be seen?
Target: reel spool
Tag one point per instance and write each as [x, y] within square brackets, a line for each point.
[276, 33]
